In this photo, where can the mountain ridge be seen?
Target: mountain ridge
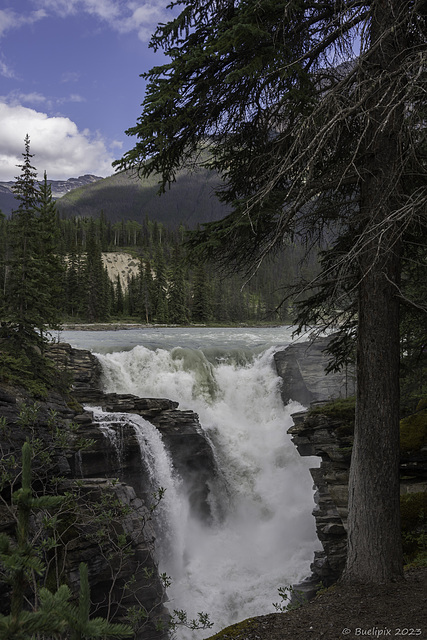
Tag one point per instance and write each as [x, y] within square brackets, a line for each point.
[191, 200]
[123, 196]
[59, 188]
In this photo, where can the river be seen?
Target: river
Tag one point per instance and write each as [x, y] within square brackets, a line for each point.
[264, 536]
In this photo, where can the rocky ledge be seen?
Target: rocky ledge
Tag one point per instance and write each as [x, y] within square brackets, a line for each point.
[302, 369]
[80, 458]
[318, 434]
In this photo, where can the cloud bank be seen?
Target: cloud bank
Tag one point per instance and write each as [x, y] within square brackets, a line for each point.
[58, 146]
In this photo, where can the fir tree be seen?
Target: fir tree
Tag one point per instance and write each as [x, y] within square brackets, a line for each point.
[51, 285]
[312, 141]
[177, 291]
[201, 304]
[160, 287]
[32, 287]
[22, 313]
[147, 291]
[73, 288]
[96, 285]
[119, 299]
[3, 259]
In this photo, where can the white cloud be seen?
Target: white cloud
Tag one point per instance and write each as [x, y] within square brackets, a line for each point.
[16, 98]
[5, 70]
[108, 10]
[73, 97]
[145, 18]
[70, 76]
[58, 146]
[124, 16]
[12, 20]
[35, 99]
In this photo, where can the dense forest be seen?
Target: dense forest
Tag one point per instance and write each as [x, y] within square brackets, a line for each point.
[164, 287]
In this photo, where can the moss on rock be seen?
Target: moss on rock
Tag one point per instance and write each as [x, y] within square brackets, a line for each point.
[413, 429]
[234, 630]
[340, 411]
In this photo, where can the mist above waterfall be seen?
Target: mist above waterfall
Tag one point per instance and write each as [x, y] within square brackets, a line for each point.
[262, 535]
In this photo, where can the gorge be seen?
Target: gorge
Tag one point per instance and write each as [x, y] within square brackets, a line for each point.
[235, 522]
[244, 526]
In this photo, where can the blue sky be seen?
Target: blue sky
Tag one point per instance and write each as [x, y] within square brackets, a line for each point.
[69, 77]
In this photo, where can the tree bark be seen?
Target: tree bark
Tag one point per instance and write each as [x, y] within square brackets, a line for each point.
[374, 539]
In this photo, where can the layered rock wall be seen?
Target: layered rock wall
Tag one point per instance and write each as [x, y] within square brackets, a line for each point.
[102, 472]
[302, 368]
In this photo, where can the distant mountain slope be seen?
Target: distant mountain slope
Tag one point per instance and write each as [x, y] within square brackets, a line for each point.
[7, 199]
[123, 196]
[59, 188]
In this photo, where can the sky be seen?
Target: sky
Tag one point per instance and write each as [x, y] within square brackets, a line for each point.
[69, 77]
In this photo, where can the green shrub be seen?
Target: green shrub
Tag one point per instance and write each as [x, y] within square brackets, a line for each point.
[340, 411]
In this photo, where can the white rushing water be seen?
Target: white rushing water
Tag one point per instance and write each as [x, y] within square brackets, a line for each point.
[265, 538]
[173, 506]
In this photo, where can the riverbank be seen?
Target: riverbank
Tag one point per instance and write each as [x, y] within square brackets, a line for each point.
[122, 326]
[399, 609]
[106, 326]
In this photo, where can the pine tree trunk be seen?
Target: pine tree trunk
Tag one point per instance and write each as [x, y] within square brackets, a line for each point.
[374, 538]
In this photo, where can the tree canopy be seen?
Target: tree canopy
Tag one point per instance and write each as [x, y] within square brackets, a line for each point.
[313, 113]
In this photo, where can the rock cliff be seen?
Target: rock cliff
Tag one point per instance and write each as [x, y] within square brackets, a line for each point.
[102, 478]
[98, 510]
[104, 474]
[317, 433]
[302, 369]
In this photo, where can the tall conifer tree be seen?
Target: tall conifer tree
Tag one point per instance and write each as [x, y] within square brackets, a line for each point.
[311, 138]
[52, 266]
[24, 312]
[178, 313]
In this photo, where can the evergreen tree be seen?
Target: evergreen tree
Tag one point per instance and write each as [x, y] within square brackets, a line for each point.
[310, 141]
[119, 299]
[27, 305]
[177, 294]
[96, 284]
[52, 265]
[201, 307]
[161, 287]
[132, 296]
[22, 242]
[147, 291]
[3, 259]
[73, 286]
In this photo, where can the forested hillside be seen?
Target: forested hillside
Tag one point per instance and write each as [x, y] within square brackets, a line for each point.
[54, 267]
[161, 287]
[124, 196]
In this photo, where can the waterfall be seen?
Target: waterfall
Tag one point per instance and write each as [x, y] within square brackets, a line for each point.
[231, 567]
[173, 507]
